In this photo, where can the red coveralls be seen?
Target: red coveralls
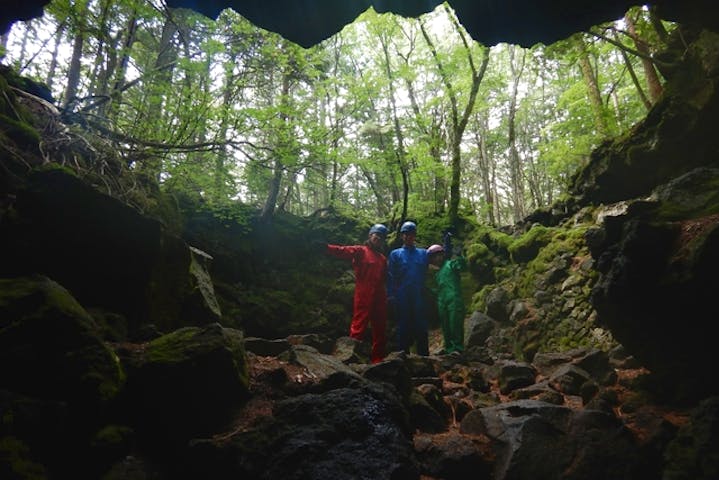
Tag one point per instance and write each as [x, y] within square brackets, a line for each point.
[370, 298]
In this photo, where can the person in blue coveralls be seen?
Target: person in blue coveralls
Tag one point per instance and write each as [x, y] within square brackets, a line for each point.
[407, 267]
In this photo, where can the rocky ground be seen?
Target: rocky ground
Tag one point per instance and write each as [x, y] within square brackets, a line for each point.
[576, 414]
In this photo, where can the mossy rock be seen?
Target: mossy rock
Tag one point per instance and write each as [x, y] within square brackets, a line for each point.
[527, 246]
[19, 132]
[186, 383]
[692, 195]
[16, 461]
[693, 453]
[496, 241]
[109, 444]
[44, 330]
[559, 241]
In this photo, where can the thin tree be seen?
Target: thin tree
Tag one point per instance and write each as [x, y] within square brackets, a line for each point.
[78, 16]
[284, 144]
[485, 166]
[104, 50]
[118, 82]
[400, 152]
[592, 84]
[650, 72]
[59, 34]
[635, 80]
[516, 67]
[458, 120]
[429, 122]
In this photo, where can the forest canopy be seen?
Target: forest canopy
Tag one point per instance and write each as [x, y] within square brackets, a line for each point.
[390, 117]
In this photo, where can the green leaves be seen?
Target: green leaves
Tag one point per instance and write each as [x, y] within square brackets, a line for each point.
[223, 108]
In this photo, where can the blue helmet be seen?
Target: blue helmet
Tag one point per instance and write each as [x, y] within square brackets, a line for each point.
[379, 229]
[408, 227]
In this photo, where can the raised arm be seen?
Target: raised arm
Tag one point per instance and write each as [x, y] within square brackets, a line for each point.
[345, 252]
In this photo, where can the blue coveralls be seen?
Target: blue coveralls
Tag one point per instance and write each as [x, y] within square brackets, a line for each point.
[407, 267]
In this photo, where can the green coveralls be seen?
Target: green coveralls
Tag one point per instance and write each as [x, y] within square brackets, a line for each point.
[450, 303]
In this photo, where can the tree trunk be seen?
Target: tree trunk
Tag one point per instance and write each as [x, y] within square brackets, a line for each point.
[515, 163]
[590, 81]
[432, 131]
[459, 121]
[98, 76]
[630, 68]
[483, 161]
[73, 74]
[382, 209]
[77, 27]
[650, 73]
[400, 154]
[50, 78]
[285, 204]
[268, 209]
[221, 176]
[157, 91]
[23, 46]
[165, 61]
[118, 82]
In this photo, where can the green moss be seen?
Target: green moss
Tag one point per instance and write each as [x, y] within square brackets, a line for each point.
[15, 456]
[476, 252]
[479, 299]
[528, 245]
[480, 260]
[173, 347]
[112, 381]
[55, 167]
[561, 241]
[6, 95]
[192, 343]
[700, 199]
[494, 239]
[54, 297]
[20, 132]
[112, 435]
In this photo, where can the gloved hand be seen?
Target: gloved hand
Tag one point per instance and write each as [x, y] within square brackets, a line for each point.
[447, 238]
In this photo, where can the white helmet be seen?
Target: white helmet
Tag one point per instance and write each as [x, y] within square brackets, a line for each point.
[435, 249]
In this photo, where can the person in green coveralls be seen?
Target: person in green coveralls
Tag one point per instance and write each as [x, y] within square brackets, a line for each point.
[449, 263]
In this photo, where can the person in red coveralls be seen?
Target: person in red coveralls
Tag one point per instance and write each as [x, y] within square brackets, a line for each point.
[370, 297]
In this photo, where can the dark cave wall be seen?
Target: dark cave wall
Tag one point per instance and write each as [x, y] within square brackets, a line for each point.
[658, 254]
[522, 22]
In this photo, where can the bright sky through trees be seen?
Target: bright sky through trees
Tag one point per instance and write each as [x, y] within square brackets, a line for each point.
[362, 120]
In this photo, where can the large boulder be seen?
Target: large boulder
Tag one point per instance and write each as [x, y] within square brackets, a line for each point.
[105, 252]
[49, 347]
[186, 383]
[341, 434]
[534, 439]
[58, 381]
[657, 262]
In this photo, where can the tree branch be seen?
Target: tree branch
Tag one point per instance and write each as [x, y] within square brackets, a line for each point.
[627, 49]
[188, 147]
